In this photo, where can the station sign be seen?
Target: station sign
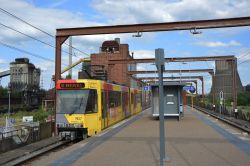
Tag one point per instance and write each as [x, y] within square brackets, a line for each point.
[190, 88]
[146, 88]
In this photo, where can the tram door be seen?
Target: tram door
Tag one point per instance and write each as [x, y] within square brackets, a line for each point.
[104, 110]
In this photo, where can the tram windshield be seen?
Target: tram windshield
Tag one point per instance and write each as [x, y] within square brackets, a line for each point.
[76, 101]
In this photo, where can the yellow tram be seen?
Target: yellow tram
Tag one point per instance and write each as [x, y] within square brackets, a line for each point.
[85, 107]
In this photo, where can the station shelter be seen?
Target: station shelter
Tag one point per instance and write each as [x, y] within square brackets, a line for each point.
[173, 102]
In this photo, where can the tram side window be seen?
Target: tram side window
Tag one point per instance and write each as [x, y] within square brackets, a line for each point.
[92, 102]
[135, 100]
[138, 98]
[114, 99]
[132, 98]
[125, 98]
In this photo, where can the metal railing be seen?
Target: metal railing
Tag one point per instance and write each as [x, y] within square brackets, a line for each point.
[227, 111]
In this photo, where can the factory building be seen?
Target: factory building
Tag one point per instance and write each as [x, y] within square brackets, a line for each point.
[25, 79]
[24, 76]
[223, 80]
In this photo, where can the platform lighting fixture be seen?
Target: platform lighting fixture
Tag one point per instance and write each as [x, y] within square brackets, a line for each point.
[194, 31]
[139, 34]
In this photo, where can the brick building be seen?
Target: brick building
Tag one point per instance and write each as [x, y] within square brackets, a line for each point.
[113, 50]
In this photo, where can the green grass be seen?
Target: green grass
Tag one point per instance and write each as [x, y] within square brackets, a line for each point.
[38, 115]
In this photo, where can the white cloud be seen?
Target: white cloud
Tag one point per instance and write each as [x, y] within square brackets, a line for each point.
[4, 69]
[140, 11]
[140, 67]
[46, 67]
[58, 3]
[141, 54]
[45, 18]
[3, 61]
[232, 43]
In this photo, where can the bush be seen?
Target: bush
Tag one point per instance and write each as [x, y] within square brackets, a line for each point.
[40, 115]
[243, 99]
[3, 92]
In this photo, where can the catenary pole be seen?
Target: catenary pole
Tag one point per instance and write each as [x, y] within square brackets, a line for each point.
[159, 57]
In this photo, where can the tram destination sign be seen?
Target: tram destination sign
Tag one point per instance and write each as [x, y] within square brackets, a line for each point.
[72, 85]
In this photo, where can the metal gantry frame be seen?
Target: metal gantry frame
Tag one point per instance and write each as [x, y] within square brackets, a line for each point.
[63, 34]
[210, 71]
[229, 58]
[174, 59]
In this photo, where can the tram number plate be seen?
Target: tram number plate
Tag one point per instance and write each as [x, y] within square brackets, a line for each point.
[78, 118]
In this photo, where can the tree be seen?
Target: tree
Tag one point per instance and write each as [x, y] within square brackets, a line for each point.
[243, 99]
[3, 92]
[68, 77]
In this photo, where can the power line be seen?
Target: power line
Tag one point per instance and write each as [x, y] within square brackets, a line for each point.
[29, 53]
[247, 53]
[241, 51]
[18, 18]
[244, 61]
[53, 36]
[26, 52]
[33, 38]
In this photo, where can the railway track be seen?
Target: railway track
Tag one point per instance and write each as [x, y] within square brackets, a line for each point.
[243, 126]
[34, 154]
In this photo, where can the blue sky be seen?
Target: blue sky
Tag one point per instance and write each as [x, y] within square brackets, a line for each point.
[52, 14]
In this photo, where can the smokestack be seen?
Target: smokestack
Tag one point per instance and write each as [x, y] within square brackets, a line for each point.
[118, 40]
[70, 55]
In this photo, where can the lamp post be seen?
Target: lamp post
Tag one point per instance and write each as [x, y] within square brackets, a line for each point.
[8, 116]
[9, 103]
[159, 61]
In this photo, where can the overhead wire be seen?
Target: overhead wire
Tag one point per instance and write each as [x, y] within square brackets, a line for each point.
[29, 53]
[21, 50]
[39, 29]
[26, 52]
[244, 61]
[247, 53]
[6, 26]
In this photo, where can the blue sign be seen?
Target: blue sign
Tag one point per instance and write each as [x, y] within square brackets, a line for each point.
[190, 88]
[146, 88]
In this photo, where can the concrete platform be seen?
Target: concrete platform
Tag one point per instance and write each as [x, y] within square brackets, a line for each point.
[195, 140]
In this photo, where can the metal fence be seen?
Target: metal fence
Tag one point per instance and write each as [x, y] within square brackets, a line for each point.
[228, 111]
